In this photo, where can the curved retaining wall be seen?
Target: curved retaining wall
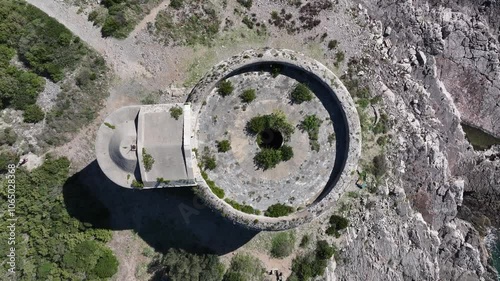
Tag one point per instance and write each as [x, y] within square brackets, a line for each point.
[336, 100]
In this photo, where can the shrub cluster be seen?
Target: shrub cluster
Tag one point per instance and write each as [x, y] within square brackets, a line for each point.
[33, 114]
[313, 264]
[225, 88]
[223, 146]
[337, 223]
[311, 125]
[207, 160]
[176, 112]
[278, 210]
[248, 96]
[242, 207]
[275, 121]
[268, 158]
[282, 245]
[301, 94]
[244, 267]
[147, 160]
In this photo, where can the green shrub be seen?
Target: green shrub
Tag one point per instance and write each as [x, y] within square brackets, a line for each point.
[311, 125]
[111, 126]
[208, 161]
[306, 267]
[137, 184]
[278, 210]
[6, 158]
[8, 136]
[305, 241]
[245, 3]
[242, 207]
[323, 250]
[248, 96]
[339, 222]
[147, 160]
[176, 4]
[179, 265]
[176, 112]
[276, 70]
[301, 94]
[33, 114]
[223, 145]
[286, 152]
[268, 158]
[244, 267]
[248, 22]
[379, 164]
[275, 121]
[225, 88]
[339, 58]
[332, 44]
[106, 266]
[282, 245]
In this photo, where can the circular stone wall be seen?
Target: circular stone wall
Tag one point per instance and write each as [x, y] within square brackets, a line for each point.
[312, 180]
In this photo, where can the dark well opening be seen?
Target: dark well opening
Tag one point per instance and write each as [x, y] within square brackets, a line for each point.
[270, 139]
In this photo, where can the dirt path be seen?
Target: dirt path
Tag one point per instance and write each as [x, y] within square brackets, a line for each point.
[148, 18]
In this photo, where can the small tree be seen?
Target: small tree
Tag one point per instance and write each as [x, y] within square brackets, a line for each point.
[332, 44]
[225, 88]
[300, 94]
[176, 112]
[324, 251]
[137, 184]
[33, 114]
[223, 145]
[248, 95]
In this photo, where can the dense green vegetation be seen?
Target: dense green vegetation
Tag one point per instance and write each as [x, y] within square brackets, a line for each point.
[282, 244]
[275, 121]
[47, 49]
[223, 146]
[268, 158]
[311, 125]
[33, 114]
[189, 22]
[278, 210]
[225, 88]
[147, 160]
[8, 136]
[176, 112]
[244, 268]
[337, 223]
[242, 207]
[312, 264]
[301, 94]
[50, 244]
[248, 96]
[179, 265]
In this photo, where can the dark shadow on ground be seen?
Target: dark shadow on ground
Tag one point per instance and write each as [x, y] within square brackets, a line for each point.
[164, 218]
[329, 100]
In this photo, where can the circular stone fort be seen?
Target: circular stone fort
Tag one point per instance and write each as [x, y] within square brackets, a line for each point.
[269, 138]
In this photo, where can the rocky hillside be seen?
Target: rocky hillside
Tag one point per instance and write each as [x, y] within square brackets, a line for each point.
[438, 66]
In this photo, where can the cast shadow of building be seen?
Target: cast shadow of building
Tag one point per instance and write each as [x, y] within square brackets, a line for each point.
[164, 218]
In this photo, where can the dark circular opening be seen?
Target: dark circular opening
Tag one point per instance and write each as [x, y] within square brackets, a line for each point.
[270, 138]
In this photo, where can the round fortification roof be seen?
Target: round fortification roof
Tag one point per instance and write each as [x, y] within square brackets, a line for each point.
[333, 96]
[115, 146]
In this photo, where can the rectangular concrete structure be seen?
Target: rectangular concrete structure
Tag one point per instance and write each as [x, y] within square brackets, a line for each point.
[167, 140]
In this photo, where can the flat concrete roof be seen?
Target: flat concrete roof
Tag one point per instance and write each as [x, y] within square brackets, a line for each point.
[153, 128]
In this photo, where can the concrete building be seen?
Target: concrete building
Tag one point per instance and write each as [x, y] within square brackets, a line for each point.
[147, 146]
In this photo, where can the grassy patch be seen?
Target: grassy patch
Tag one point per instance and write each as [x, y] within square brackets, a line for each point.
[282, 245]
[301, 94]
[242, 207]
[311, 125]
[248, 96]
[109, 125]
[223, 145]
[176, 112]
